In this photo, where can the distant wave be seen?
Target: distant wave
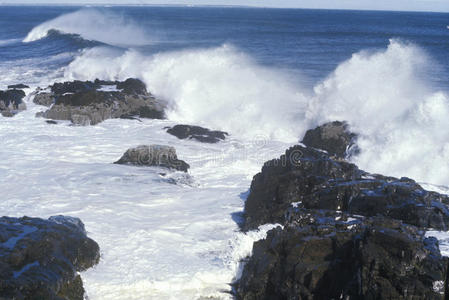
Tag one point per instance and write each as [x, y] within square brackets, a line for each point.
[8, 42]
[94, 25]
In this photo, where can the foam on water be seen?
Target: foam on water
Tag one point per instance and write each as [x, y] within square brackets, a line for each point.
[93, 24]
[158, 240]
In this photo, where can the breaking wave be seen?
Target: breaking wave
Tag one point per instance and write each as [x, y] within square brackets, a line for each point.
[383, 95]
[95, 25]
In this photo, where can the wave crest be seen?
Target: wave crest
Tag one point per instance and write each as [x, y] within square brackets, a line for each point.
[94, 25]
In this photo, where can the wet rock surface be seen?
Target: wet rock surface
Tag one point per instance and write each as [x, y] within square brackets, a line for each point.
[154, 155]
[324, 255]
[18, 86]
[197, 133]
[40, 259]
[333, 137]
[312, 177]
[91, 102]
[11, 102]
[346, 233]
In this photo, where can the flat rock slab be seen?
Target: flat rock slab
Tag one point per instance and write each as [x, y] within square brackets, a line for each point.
[154, 155]
[197, 133]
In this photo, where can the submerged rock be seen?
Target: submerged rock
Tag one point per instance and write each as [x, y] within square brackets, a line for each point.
[198, 133]
[40, 259]
[89, 103]
[334, 137]
[154, 155]
[11, 102]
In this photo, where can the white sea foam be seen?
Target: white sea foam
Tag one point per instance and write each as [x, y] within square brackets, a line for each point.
[93, 24]
[158, 240]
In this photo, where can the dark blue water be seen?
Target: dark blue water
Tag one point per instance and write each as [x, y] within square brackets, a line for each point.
[312, 42]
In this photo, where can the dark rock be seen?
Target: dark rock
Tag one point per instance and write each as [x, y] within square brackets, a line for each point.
[99, 82]
[200, 134]
[44, 98]
[132, 86]
[40, 259]
[346, 234]
[18, 86]
[73, 87]
[51, 122]
[154, 155]
[334, 137]
[324, 255]
[87, 103]
[11, 102]
[311, 177]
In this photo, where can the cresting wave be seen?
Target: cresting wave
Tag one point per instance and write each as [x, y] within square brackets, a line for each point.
[95, 25]
[383, 95]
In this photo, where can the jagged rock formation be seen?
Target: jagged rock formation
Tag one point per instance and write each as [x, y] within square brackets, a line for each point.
[89, 103]
[40, 259]
[347, 234]
[333, 137]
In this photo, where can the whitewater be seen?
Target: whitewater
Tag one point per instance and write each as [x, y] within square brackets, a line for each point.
[177, 236]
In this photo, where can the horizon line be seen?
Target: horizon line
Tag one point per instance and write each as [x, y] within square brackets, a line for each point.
[81, 4]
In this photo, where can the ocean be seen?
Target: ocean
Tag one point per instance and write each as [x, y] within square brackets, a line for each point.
[263, 75]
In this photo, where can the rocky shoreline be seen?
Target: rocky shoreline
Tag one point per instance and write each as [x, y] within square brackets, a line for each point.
[343, 233]
[346, 234]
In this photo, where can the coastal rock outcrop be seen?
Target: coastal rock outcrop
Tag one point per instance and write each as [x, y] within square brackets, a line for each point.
[40, 259]
[198, 133]
[346, 233]
[11, 102]
[323, 254]
[317, 181]
[154, 155]
[91, 102]
[333, 137]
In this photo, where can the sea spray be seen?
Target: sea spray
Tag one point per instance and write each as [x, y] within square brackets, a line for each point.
[381, 94]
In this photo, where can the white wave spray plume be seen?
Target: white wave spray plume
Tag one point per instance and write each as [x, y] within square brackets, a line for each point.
[401, 121]
[217, 87]
[95, 25]
[403, 124]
